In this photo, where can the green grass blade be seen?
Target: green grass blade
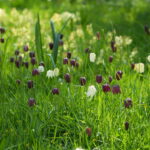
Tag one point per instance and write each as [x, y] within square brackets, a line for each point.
[52, 60]
[55, 50]
[38, 40]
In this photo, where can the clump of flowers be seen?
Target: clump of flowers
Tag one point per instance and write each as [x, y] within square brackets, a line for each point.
[139, 67]
[52, 73]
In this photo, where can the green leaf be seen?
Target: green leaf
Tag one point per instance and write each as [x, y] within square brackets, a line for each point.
[56, 38]
[38, 40]
[52, 60]
[64, 25]
[53, 30]
[55, 49]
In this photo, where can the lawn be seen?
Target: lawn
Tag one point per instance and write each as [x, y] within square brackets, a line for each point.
[74, 75]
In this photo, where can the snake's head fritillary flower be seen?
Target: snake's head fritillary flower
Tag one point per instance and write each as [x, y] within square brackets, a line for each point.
[110, 79]
[106, 88]
[18, 81]
[65, 61]
[88, 131]
[87, 50]
[33, 61]
[99, 78]
[2, 30]
[82, 81]
[12, 59]
[55, 91]
[77, 64]
[126, 125]
[113, 46]
[17, 63]
[116, 89]
[119, 75]
[146, 28]
[26, 48]
[61, 36]
[92, 57]
[68, 55]
[35, 72]
[26, 64]
[67, 77]
[20, 58]
[31, 102]
[51, 45]
[110, 59]
[56, 72]
[132, 66]
[41, 69]
[139, 67]
[32, 54]
[42, 64]
[128, 103]
[2, 40]
[73, 62]
[30, 84]
[91, 91]
[17, 52]
[50, 74]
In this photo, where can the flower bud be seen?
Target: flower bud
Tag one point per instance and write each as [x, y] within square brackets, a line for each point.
[82, 81]
[26, 48]
[65, 61]
[73, 62]
[87, 50]
[2, 30]
[2, 40]
[128, 103]
[119, 75]
[67, 77]
[113, 47]
[18, 82]
[68, 55]
[55, 91]
[26, 64]
[17, 52]
[89, 131]
[116, 89]
[126, 125]
[42, 64]
[110, 79]
[110, 59]
[106, 88]
[33, 61]
[51, 45]
[99, 79]
[30, 84]
[32, 54]
[31, 102]
[17, 63]
[35, 72]
[12, 59]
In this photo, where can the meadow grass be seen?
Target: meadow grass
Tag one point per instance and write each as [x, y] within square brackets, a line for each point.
[70, 119]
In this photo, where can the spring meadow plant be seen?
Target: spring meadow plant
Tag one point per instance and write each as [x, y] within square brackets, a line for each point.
[67, 83]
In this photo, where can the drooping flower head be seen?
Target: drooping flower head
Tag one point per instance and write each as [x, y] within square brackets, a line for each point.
[91, 91]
